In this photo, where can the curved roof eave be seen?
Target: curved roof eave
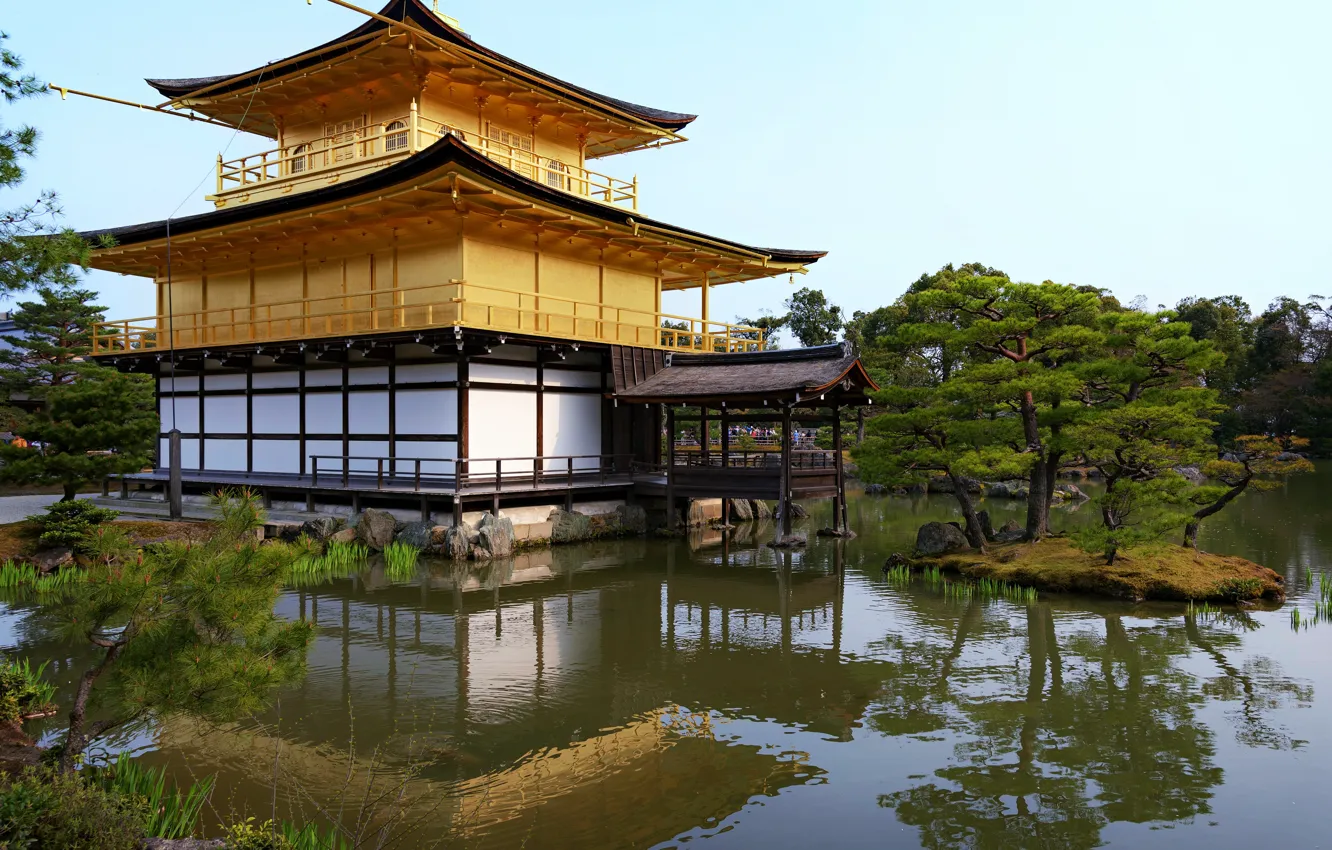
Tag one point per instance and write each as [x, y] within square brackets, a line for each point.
[180, 88]
[447, 151]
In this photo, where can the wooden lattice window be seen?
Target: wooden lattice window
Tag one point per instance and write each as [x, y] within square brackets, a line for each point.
[299, 158]
[395, 136]
[557, 174]
[514, 150]
[344, 140]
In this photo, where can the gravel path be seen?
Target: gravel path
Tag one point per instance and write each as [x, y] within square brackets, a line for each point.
[16, 508]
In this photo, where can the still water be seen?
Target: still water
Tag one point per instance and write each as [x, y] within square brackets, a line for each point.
[716, 692]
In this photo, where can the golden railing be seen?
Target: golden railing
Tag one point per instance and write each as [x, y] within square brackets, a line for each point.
[453, 304]
[402, 136]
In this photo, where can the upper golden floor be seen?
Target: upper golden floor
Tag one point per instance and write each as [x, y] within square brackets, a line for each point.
[421, 181]
[402, 81]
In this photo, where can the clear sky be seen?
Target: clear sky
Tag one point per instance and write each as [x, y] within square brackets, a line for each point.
[1159, 148]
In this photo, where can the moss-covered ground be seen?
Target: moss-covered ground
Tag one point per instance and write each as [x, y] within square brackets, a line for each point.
[1165, 571]
[17, 538]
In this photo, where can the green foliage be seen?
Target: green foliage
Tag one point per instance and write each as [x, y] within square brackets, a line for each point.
[102, 424]
[169, 811]
[23, 581]
[69, 523]
[769, 328]
[44, 809]
[812, 318]
[1236, 589]
[50, 339]
[1135, 513]
[282, 836]
[400, 560]
[185, 628]
[337, 560]
[23, 691]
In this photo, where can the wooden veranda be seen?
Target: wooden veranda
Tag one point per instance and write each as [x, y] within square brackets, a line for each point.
[808, 387]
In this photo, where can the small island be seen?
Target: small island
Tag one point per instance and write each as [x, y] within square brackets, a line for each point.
[1164, 571]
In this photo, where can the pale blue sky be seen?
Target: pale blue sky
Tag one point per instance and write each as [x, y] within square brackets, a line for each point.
[1162, 149]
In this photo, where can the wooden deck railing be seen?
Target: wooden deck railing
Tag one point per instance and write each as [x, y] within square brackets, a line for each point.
[427, 306]
[387, 141]
[491, 474]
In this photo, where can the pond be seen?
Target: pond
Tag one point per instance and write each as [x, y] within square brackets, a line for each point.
[660, 693]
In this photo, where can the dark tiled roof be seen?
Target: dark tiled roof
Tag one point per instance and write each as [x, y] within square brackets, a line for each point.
[401, 10]
[432, 161]
[796, 375]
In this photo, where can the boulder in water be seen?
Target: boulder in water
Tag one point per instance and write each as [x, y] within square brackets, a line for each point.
[937, 538]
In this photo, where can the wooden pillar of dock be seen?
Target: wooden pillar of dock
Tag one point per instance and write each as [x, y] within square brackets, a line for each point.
[784, 500]
[725, 460]
[670, 468]
[839, 499]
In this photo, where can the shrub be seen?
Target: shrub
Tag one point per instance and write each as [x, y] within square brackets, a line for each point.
[45, 808]
[172, 812]
[1236, 589]
[281, 836]
[69, 523]
[23, 691]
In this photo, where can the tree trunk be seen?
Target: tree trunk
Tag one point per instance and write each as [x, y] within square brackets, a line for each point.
[971, 526]
[76, 739]
[1051, 481]
[71, 492]
[860, 425]
[1038, 507]
[1110, 554]
[1038, 522]
[1191, 533]
[1191, 530]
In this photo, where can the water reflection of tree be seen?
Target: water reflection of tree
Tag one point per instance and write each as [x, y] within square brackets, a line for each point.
[1258, 684]
[1098, 727]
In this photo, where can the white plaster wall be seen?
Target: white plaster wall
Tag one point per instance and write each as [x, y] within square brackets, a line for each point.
[277, 455]
[183, 384]
[367, 413]
[277, 414]
[422, 372]
[187, 414]
[323, 414]
[427, 411]
[323, 378]
[225, 455]
[497, 374]
[223, 415]
[323, 447]
[277, 379]
[368, 375]
[502, 424]
[572, 426]
[567, 378]
[368, 449]
[189, 454]
[224, 382]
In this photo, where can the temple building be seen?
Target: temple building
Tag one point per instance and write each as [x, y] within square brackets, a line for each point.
[428, 289]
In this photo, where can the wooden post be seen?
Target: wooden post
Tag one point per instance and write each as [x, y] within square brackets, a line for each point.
[839, 500]
[413, 144]
[705, 435]
[784, 503]
[725, 460]
[670, 468]
[175, 501]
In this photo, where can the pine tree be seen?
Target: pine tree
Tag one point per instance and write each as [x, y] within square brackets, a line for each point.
[1256, 462]
[943, 429]
[1021, 340]
[180, 629]
[102, 424]
[50, 341]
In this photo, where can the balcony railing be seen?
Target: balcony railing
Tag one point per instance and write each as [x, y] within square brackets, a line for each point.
[389, 141]
[441, 305]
